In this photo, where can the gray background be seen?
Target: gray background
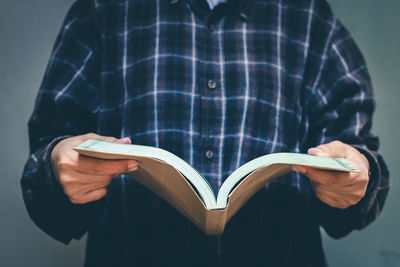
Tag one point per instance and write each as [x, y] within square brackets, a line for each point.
[27, 32]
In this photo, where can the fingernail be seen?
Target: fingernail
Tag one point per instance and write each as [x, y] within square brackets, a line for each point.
[125, 140]
[299, 169]
[132, 166]
[314, 151]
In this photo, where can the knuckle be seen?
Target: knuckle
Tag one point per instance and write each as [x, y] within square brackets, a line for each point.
[354, 176]
[342, 203]
[351, 202]
[364, 179]
[352, 199]
[64, 162]
[343, 206]
[103, 192]
[358, 196]
[98, 168]
[91, 135]
[69, 191]
[65, 181]
[355, 201]
[76, 200]
[322, 147]
[324, 199]
[110, 138]
[320, 195]
[118, 168]
[336, 143]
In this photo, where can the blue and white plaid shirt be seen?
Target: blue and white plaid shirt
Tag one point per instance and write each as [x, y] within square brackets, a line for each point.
[217, 88]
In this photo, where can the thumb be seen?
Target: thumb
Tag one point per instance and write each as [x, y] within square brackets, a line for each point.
[125, 140]
[315, 151]
[132, 166]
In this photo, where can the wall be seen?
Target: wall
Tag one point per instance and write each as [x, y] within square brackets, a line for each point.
[27, 33]
[375, 26]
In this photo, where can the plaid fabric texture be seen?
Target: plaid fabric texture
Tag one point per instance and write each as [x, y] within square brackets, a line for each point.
[217, 88]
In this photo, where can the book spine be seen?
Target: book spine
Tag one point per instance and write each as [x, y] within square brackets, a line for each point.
[215, 222]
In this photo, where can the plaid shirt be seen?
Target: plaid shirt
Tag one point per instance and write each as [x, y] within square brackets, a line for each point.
[217, 88]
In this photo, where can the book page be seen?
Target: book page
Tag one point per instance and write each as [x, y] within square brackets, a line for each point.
[289, 159]
[110, 150]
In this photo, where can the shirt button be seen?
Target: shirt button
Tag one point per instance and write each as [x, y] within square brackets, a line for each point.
[209, 154]
[212, 84]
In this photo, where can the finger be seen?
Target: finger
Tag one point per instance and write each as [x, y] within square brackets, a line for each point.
[101, 137]
[72, 176]
[316, 151]
[96, 194]
[351, 192]
[326, 177]
[347, 191]
[335, 149]
[105, 167]
[125, 140]
[328, 199]
[108, 138]
[72, 142]
[336, 200]
[90, 196]
[337, 188]
[77, 190]
[323, 176]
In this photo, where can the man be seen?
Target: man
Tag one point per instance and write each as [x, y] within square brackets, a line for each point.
[218, 84]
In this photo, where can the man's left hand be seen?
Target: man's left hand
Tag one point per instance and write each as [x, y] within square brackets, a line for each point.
[338, 189]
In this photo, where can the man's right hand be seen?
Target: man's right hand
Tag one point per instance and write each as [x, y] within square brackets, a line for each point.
[85, 179]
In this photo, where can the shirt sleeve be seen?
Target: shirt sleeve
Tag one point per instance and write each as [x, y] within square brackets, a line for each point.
[340, 106]
[65, 106]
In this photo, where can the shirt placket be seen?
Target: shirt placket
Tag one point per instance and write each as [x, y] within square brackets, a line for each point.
[212, 109]
[211, 82]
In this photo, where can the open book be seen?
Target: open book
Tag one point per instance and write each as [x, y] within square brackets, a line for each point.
[189, 192]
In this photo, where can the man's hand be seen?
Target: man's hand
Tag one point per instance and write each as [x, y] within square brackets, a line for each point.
[85, 179]
[337, 189]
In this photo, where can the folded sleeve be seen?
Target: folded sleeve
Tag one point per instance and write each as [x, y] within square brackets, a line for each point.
[65, 106]
[340, 105]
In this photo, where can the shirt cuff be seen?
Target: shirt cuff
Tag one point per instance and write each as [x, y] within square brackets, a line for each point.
[374, 179]
[357, 214]
[49, 180]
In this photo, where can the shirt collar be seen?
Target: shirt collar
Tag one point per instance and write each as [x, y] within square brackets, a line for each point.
[214, 3]
[242, 6]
